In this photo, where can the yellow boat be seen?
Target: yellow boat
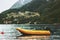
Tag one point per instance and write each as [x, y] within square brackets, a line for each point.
[33, 32]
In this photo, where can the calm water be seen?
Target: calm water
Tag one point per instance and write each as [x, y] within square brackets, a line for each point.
[10, 32]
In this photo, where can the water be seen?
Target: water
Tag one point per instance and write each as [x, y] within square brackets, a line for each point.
[10, 32]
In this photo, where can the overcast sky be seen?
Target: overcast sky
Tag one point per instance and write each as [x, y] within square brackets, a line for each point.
[6, 4]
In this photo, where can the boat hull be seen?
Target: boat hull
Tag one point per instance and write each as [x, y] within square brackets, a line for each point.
[33, 32]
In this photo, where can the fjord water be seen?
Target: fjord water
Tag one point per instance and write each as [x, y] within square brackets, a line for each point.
[11, 33]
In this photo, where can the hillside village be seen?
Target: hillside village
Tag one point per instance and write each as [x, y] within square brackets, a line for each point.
[20, 16]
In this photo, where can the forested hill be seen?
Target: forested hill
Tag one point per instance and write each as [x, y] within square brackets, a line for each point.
[34, 5]
[44, 11]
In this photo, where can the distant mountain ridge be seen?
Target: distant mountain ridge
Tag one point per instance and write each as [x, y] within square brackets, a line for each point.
[20, 3]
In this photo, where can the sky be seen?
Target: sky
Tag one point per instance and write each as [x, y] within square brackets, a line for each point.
[6, 4]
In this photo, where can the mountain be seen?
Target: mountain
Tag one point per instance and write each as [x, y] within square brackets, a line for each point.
[37, 5]
[20, 3]
[48, 11]
[33, 6]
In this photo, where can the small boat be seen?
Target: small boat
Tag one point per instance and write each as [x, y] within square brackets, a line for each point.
[33, 32]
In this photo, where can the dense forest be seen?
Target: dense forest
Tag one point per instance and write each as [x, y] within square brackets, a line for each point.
[35, 12]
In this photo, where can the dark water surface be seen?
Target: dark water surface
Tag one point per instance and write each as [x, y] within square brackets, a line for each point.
[10, 32]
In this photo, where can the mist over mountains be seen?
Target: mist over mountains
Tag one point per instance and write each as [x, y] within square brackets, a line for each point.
[20, 3]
